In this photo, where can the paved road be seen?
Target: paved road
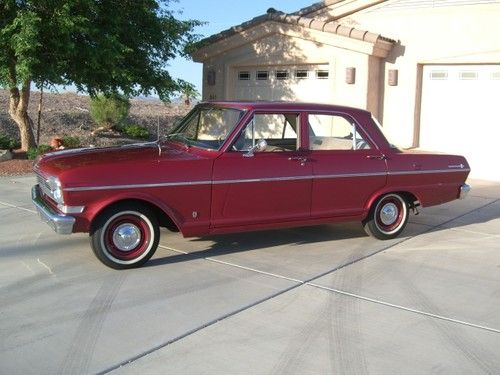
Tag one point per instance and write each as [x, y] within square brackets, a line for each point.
[318, 300]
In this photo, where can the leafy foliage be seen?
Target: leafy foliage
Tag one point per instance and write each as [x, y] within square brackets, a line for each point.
[111, 46]
[135, 131]
[33, 152]
[8, 143]
[109, 111]
[70, 141]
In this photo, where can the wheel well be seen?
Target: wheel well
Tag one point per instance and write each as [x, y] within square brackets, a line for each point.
[163, 219]
[409, 198]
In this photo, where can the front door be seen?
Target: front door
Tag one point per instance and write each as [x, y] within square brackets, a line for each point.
[263, 186]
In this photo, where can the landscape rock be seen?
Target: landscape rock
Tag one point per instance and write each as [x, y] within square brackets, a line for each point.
[5, 155]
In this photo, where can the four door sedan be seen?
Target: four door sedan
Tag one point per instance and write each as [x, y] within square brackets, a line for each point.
[231, 167]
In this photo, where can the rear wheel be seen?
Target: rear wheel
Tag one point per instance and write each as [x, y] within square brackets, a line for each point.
[388, 217]
[125, 236]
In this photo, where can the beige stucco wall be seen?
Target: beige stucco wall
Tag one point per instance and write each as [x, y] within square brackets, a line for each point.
[451, 35]
[277, 44]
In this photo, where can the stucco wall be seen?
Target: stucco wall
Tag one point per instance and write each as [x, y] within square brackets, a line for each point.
[295, 47]
[432, 35]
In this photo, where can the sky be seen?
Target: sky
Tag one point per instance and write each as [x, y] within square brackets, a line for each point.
[221, 15]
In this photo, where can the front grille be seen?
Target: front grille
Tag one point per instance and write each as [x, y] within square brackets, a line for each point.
[44, 186]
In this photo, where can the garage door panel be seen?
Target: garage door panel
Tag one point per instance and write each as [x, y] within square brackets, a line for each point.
[460, 114]
[307, 83]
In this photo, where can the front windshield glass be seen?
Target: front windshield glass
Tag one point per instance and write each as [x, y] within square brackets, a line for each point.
[206, 127]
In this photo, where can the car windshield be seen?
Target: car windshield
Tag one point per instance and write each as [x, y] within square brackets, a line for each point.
[206, 127]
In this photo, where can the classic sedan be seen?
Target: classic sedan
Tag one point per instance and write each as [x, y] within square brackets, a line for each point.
[237, 166]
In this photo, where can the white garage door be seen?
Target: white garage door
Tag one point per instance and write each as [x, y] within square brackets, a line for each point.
[305, 83]
[461, 114]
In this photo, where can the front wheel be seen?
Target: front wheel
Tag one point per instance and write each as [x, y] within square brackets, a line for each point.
[125, 236]
[387, 218]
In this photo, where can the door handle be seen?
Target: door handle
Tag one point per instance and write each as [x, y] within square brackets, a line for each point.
[377, 157]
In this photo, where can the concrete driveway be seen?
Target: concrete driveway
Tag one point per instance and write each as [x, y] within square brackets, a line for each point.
[317, 300]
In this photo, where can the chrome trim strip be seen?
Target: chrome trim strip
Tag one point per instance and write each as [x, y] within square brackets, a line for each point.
[269, 179]
[137, 186]
[249, 180]
[428, 171]
[346, 175]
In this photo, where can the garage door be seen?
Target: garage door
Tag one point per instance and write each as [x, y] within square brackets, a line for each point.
[461, 114]
[306, 83]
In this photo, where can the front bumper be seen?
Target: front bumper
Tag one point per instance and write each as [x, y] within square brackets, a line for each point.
[464, 190]
[61, 223]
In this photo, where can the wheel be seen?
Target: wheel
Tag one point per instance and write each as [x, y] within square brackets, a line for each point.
[125, 236]
[387, 218]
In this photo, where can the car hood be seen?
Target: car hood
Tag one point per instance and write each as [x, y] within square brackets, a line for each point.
[136, 163]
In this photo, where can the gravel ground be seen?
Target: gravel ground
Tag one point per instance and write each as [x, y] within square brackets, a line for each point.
[67, 114]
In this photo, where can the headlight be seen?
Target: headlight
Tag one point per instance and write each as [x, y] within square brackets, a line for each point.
[55, 189]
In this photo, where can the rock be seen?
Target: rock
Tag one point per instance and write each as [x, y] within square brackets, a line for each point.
[5, 155]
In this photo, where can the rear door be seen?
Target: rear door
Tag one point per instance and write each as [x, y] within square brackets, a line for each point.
[347, 166]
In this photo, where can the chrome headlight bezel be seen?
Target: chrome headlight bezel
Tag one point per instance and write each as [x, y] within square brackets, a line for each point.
[55, 192]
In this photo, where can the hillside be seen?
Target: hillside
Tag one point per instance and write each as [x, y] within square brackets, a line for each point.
[67, 114]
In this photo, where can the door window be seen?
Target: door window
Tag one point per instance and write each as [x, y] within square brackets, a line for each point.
[334, 132]
[279, 130]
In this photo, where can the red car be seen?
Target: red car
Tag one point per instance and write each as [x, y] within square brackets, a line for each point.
[231, 167]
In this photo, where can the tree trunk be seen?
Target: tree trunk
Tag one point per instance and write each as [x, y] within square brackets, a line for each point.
[18, 111]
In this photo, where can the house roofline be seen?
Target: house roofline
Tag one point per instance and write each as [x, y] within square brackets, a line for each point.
[332, 27]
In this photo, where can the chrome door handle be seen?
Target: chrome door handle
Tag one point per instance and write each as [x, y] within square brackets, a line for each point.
[377, 157]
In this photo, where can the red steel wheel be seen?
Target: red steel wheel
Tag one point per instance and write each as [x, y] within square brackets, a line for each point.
[125, 236]
[388, 217]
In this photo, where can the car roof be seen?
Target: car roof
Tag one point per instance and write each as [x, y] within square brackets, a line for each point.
[283, 105]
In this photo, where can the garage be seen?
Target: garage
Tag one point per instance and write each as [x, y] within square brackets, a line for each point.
[306, 83]
[460, 114]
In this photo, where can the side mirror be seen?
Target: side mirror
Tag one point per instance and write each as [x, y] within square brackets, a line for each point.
[260, 146]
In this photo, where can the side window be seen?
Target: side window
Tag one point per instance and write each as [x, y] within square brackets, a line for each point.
[334, 132]
[279, 130]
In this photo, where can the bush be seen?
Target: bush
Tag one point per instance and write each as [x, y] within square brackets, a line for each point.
[135, 131]
[70, 142]
[109, 111]
[8, 143]
[35, 151]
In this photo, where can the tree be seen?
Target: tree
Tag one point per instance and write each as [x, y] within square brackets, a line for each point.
[99, 46]
[188, 91]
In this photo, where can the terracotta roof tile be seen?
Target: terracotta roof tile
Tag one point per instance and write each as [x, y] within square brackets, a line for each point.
[296, 19]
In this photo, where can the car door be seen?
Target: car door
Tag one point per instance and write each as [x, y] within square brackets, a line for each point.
[266, 186]
[347, 166]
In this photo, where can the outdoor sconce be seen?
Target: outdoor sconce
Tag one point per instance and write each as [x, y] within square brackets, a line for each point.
[350, 75]
[393, 77]
[211, 77]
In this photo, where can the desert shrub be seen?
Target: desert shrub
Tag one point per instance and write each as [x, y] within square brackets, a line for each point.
[108, 111]
[8, 143]
[33, 152]
[70, 142]
[135, 131]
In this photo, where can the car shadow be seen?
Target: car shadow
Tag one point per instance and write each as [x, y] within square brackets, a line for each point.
[217, 245]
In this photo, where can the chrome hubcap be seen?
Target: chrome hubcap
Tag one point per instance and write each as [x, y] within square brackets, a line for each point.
[126, 237]
[389, 214]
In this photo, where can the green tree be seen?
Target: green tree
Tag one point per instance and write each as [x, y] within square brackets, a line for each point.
[99, 46]
[188, 91]
[109, 110]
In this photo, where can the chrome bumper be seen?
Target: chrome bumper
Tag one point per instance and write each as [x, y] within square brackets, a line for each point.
[464, 190]
[61, 224]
